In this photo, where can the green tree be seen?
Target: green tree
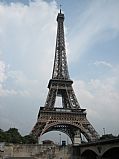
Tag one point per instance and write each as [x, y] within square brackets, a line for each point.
[29, 139]
[2, 136]
[13, 136]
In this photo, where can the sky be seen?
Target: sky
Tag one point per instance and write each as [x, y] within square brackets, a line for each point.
[27, 47]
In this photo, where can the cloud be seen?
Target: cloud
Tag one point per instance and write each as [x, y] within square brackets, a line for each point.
[22, 44]
[103, 63]
[2, 72]
[4, 76]
[98, 23]
[9, 2]
[101, 99]
[27, 40]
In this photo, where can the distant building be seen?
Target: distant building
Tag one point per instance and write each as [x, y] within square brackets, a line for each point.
[47, 142]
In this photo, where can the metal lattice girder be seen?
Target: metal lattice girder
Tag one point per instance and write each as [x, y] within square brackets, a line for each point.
[64, 89]
[50, 101]
[70, 118]
[60, 70]
[67, 121]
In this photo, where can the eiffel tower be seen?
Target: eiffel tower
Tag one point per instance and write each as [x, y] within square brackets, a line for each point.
[69, 118]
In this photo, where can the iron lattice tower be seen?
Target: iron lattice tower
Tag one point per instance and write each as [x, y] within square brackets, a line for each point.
[70, 119]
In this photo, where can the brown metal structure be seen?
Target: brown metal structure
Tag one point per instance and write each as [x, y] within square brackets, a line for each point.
[70, 119]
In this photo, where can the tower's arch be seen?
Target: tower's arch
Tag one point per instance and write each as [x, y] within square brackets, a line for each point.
[69, 129]
[56, 137]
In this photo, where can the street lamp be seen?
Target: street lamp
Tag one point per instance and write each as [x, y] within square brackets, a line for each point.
[60, 138]
[104, 130]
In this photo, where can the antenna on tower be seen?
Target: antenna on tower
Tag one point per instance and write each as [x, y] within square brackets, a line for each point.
[60, 8]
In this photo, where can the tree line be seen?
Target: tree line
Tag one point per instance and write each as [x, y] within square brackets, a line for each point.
[13, 136]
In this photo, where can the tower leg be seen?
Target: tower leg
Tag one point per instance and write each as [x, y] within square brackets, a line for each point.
[77, 137]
